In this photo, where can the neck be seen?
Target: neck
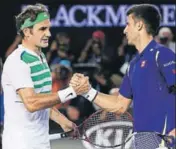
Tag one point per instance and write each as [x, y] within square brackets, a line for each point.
[31, 47]
[142, 42]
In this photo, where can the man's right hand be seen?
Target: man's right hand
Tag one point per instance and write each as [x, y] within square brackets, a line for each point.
[82, 86]
[80, 83]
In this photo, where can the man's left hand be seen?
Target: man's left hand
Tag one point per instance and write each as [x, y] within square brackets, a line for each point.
[68, 127]
[173, 133]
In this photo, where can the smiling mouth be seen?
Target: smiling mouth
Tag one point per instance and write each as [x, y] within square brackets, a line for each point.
[45, 40]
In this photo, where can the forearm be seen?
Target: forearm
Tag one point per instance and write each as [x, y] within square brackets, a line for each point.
[83, 56]
[10, 50]
[35, 102]
[112, 103]
[42, 101]
[173, 132]
[58, 117]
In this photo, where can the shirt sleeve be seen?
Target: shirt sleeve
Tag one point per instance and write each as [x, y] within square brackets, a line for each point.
[167, 64]
[125, 88]
[19, 74]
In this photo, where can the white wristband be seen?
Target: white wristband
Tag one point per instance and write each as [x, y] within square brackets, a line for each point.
[91, 94]
[66, 94]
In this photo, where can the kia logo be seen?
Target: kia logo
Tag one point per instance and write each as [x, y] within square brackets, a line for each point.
[104, 132]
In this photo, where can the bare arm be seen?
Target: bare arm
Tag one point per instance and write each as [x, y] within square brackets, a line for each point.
[53, 47]
[85, 50]
[13, 45]
[173, 133]
[112, 103]
[60, 119]
[35, 102]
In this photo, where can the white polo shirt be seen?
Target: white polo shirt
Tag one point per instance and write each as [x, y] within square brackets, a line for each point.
[22, 129]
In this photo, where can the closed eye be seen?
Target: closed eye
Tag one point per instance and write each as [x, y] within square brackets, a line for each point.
[43, 28]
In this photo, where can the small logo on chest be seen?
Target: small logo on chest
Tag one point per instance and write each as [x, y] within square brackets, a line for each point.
[143, 63]
[174, 71]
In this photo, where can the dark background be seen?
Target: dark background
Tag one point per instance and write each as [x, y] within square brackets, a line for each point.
[8, 9]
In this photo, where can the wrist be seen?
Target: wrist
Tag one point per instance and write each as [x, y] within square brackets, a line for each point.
[66, 94]
[91, 94]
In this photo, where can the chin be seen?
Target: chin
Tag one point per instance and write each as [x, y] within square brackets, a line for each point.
[130, 43]
[44, 45]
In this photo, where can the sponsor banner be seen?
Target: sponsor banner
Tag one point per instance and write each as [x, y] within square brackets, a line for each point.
[102, 15]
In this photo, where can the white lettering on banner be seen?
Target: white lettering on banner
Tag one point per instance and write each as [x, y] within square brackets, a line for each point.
[169, 13]
[93, 18]
[72, 15]
[115, 19]
[67, 18]
[103, 134]
[62, 18]
[103, 15]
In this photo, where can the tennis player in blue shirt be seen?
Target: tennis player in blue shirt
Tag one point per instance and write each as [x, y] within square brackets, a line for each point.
[150, 78]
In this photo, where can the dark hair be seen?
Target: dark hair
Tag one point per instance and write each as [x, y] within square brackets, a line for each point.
[149, 14]
[31, 11]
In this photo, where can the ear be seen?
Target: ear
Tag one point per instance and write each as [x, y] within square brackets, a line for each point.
[140, 25]
[27, 32]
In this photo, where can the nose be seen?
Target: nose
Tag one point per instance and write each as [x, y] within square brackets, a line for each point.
[125, 30]
[48, 33]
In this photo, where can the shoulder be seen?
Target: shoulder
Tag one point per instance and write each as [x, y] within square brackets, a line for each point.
[14, 60]
[14, 57]
[164, 54]
[163, 50]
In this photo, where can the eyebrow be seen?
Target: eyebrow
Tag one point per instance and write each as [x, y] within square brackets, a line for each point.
[44, 27]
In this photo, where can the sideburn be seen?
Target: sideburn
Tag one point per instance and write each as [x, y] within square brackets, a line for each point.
[31, 31]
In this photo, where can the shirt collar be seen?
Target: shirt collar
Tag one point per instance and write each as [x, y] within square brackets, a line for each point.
[148, 47]
[28, 50]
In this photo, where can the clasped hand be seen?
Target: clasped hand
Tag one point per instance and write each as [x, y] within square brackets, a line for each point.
[80, 83]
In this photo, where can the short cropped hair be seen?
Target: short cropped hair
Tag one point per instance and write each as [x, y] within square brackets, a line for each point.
[149, 14]
[31, 11]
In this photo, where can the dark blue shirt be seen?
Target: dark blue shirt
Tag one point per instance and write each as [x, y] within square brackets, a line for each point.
[147, 82]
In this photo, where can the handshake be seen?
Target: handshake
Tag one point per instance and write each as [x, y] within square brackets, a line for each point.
[79, 85]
